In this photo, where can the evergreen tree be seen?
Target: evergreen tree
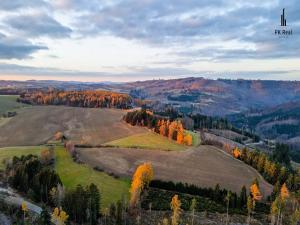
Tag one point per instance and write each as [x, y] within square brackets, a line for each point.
[119, 213]
[45, 217]
[243, 197]
[95, 198]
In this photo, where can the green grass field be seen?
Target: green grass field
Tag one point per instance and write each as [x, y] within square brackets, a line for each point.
[149, 140]
[9, 103]
[9, 152]
[72, 174]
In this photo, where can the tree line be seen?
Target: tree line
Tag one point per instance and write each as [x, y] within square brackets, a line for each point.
[274, 172]
[209, 122]
[88, 99]
[218, 195]
[172, 129]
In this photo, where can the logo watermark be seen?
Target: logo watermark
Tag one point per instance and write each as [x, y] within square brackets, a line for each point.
[283, 30]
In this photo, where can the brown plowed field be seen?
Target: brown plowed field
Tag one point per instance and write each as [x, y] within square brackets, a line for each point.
[203, 166]
[36, 125]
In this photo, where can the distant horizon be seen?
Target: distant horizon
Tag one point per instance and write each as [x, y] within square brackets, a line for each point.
[144, 80]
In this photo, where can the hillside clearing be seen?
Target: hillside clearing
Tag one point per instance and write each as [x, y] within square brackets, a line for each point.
[72, 174]
[9, 152]
[204, 166]
[9, 103]
[149, 140]
[36, 125]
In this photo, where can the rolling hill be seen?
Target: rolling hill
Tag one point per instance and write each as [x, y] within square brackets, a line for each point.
[37, 125]
[217, 97]
[204, 166]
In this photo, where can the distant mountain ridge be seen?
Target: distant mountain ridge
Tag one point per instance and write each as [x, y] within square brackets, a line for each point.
[213, 97]
[219, 97]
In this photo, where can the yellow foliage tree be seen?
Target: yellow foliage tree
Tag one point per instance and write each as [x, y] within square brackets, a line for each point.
[188, 140]
[175, 206]
[284, 192]
[162, 128]
[24, 209]
[255, 192]
[59, 216]
[141, 179]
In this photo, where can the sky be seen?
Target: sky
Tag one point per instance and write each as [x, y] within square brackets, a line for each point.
[127, 40]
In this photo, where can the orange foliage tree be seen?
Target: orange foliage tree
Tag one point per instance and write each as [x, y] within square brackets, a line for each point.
[141, 179]
[236, 153]
[90, 99]
[188, 139]
[176, 208]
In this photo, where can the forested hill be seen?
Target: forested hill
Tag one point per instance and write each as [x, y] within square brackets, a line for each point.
[212, 97]
[89, 99]
[217, 97]
[281, 123]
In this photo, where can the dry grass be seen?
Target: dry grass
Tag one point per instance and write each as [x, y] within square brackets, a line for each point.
[149, 140]
[36, 125]
[203, 166]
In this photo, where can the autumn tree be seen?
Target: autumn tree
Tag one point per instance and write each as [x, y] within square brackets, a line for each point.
[24, 209]
[255, 192]
[236, 153]
[255, 195]
[59, 216]
[176, 208]
[89, 98]
[188, 139]
[278, 206]
[141, 180]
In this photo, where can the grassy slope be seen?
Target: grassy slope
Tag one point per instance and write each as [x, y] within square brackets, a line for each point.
[9, 152]
[9, 102]
[73, 174]
[147, 140]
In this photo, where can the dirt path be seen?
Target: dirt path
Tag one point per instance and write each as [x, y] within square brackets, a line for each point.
[204, 166]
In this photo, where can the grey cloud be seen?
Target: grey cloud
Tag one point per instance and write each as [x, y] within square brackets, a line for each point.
[12, 5]
[36, 25]
[172, 23]
[12, 48]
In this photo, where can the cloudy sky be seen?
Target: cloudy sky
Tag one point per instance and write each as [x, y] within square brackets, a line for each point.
[120, 40]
